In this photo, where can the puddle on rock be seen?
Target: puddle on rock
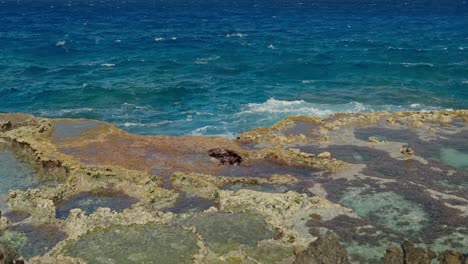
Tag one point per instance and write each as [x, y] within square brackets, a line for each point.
[135, 244]
[14, 174]
[387, 209]
[454, 158]
[190, 203]
[224, 232]
[70, 129]
[31, 240]
[269, 188]
[89, 202]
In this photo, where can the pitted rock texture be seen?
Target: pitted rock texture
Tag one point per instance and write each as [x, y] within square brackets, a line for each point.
[325, 250]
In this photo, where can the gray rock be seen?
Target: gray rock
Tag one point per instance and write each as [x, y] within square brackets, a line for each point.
[7, 254]
[324, 250]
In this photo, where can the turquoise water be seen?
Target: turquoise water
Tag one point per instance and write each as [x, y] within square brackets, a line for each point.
[222, 67]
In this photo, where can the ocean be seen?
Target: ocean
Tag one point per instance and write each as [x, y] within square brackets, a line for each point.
[223, 67]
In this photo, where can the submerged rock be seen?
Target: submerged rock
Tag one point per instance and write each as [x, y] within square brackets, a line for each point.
[324, 250]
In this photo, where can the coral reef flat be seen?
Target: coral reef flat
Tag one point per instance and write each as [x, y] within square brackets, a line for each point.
[359, 184]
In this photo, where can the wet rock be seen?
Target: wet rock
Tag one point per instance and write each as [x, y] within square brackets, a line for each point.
[225, 156]
[393, 255]
[414, 255]
[7, 254]
[324, 250]
[406, 151]
[452, 257]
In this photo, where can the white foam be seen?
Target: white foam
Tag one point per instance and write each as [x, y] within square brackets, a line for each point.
[271, 46]
[416, 64]
[206, 60]
[108, 65]
[212, 131]
[274, 109]
[238, 35]
[158, 39]
[60, 43]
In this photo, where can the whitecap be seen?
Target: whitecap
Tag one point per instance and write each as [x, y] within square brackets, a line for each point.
[173, 38]
[118, 41]
[108, 65]
[416, 64]
[60, 43]
[271, 46]
[158, 39]
[212, 131]
[274, 110]
[206, 60]
[238, 35]
[308, 81]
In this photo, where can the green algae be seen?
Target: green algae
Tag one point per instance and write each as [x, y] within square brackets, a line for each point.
[224, 232]
[31, 240]
[135, 244]
[387, 209]
[270, 253]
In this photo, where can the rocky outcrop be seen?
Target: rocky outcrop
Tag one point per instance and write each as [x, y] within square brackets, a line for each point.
[452, 257]
[393, 255]
[8, 254]
[408, 254]
[324, 250]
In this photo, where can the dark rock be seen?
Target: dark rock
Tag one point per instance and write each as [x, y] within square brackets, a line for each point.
[393, 255]
[5, 125]
[324, 250]
[7, 254]
[452, 257]
[415, 255]
[225, 156]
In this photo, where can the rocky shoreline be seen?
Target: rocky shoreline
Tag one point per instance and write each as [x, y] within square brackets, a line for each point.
[373, 179]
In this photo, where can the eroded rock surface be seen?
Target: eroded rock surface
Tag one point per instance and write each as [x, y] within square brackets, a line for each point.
[325, 250]
[351, 174]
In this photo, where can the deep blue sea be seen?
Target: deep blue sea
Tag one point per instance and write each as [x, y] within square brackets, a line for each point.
[206, 67]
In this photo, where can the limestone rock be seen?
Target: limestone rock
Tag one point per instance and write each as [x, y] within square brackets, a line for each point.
[7, 254]
[325, 250]
[406, 151]
[5, 125]
[414, 255]
[452, 257]
[393, 255]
